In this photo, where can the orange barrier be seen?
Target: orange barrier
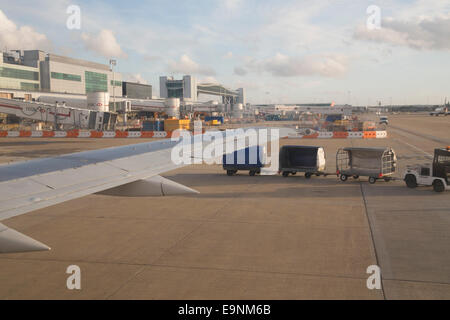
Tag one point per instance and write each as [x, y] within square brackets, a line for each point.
[96, 134]
[312, 136]
[340, 135]
[370, 135]
[24, 133]
[121, 134]
[48, 134]
[73, 133]
[3, 134]
[147, 134]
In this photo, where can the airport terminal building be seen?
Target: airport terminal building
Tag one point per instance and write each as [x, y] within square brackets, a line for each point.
[188, 89]
[17, 76]
[37, 71]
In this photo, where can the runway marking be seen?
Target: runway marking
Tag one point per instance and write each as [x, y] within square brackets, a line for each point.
[413, 146]
[420, 135]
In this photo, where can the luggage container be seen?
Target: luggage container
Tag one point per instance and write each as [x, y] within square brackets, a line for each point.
[375, 163]
[153, 125]
[175, 124]
[308, 159]
[219, 119]
[250, 159]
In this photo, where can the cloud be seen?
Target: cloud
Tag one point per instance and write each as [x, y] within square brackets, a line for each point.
[151, 58]
[423, 34]
[240, 71]
[232, 4]
[228, 55]
[104, 44]
[187, 66]
[24, 37]
[134, 77]
[208, 80]
[331, 65]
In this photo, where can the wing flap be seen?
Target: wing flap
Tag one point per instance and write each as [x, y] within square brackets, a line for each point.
[77, 176]
[16, 189]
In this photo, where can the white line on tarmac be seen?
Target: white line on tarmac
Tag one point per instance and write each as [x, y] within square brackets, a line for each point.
[413, 146]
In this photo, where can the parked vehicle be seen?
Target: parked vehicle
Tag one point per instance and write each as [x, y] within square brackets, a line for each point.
[375, 163]
[250, 159]
[436, 174]
[444, 111]
[272, 117]
[384, 120]
[307, 159]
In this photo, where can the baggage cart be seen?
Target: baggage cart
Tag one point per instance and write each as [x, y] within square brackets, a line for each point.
[250, 159]
[375, 163]
[308, 159]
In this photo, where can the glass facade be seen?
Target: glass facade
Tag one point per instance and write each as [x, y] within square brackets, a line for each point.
[96, 82]
[175, 84]
[175, 89]
[137, 90]
[116, 83]
[19, 74]
[29, 86]
[175, 93]
[65, 76]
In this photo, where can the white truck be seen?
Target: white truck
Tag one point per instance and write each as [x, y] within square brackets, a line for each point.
[436, 174]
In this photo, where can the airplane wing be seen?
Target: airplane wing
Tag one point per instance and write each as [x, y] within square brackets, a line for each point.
[131, 170]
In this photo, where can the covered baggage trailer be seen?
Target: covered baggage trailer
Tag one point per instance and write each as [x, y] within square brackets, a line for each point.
[250, 159]
[308, 159]
[375, 163]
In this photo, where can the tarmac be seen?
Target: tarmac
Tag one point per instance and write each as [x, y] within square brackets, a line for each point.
[242, 237]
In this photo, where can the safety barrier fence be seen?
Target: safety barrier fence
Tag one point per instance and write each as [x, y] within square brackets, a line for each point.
[85, 134]
[342, 135]
[168, 134]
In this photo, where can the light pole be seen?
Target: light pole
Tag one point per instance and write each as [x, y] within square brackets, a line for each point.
[113, 63]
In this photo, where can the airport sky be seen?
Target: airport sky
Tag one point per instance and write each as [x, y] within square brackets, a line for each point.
[289, 51]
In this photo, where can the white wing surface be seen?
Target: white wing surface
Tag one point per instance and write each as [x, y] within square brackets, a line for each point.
[126, 170]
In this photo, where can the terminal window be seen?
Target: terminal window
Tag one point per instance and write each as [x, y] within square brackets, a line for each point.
[96, 82]
[29, 86]
[116, 83]
[175, 93]
[18, 74]
[65, 76]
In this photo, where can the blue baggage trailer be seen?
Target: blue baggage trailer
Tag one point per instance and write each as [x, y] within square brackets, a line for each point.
[250, 159]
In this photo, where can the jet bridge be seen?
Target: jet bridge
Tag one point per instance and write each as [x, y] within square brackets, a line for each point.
[59, 115]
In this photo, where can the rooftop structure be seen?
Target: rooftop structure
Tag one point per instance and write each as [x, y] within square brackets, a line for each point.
[188, 90]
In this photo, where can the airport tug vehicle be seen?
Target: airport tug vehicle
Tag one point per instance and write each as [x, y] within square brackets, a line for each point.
[436, 174]
[308, 159]
[375, 163]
